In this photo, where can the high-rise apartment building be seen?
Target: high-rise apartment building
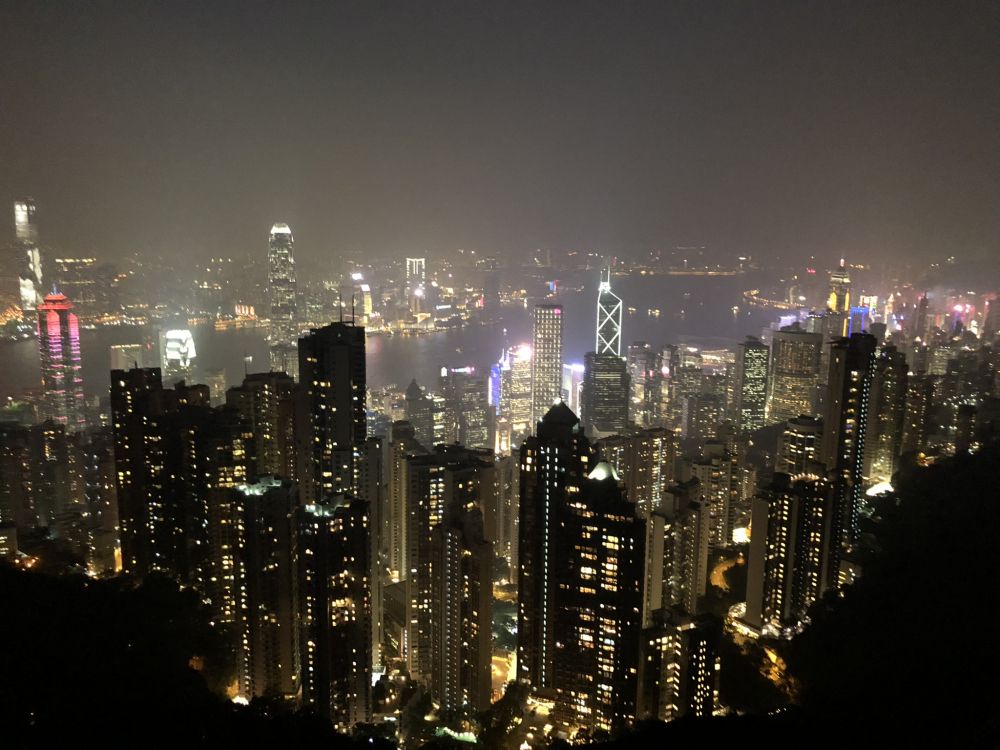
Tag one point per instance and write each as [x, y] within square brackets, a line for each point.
[466, 408]
[334, 423]
[546, 360]
[59, 356]
[644, 460]
[798, 446]
[267, 402]
[718, 471]
[885, 419]
[848, 404]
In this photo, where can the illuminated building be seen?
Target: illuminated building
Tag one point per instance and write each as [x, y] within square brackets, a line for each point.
[546, 360]
[335, 609]
[215, 379]
[38, 475]
[599, 550]
[267, 403]
[554, 464]
[420, 414]
[839, 300]
[177, 354]
[703, 414]
[30, 261]
[793, 558]
[691, 524]
[466, 408]
[646, 375]
[885, 420]
[59, 356]
[282, 290]
[644, 460]
[461, 621]
[268, 658]
[798, 445]
[852, 369]
[679, 666]
[609, 319]
[401, 443]
[510, 391]
[795, 363]
[333, 377]
[89, 284]
[750, 385]
[604, 395]
[572, 385]
[416, 271]
[502, 528]
[441, 488]
[127, 356]
[173, 453]
[718, 471]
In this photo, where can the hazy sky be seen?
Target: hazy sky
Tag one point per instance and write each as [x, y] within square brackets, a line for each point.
[189, 127]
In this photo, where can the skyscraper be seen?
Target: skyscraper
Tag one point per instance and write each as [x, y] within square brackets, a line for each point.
[609, 319]
[29, 261]
[333, 427]
[605, 394]
[59, 355]
[282, 288]
[546, 361]
[644, 460]
[795, 362]
[555, 463]
[793, 556]
[718, 471]
[798, 445]
[852, 370]
[885, 421]
[840, 290]
[267, 401]
[750, 387]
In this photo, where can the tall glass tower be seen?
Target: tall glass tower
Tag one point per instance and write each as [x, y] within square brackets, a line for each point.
[30, 260]
[282, 287]
[609, 319]
[546, 361]
[59, 354]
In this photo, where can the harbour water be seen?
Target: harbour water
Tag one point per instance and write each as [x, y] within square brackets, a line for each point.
[696, 310]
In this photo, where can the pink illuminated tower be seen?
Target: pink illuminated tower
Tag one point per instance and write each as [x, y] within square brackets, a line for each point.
[59, 353]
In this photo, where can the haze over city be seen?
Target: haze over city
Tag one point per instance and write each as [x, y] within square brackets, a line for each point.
[504, 375]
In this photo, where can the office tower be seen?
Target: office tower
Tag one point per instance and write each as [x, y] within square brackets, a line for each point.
[215, 379]
[572, 385]
[420, 414]
[282, 291]
[686, 380]
[554, 464]
[333, 424]
[793, 557]
[335, 609]
[679, 666]
[798, 445]
[88, 283]
[416, 271]
[59, 356]
[750, 385]
[839, 300]
[605, 394]
[609, 319]
[172, 453]
[645, 383]
[401, 443]
[885, 420]
[718, 471]
[267, 402]
[599, 550]
[703, 414]
[795, 362]
[466, 408]
[30, 261]
[644, 460]
[461, 622]
[284, 358]
[546, 360]
[504, 530]
[852, 369]
[441, 487]
[510, 392]
[177, 355]
[127, 356]
[268, 657]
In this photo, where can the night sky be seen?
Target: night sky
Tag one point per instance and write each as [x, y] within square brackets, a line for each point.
[794, 128]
